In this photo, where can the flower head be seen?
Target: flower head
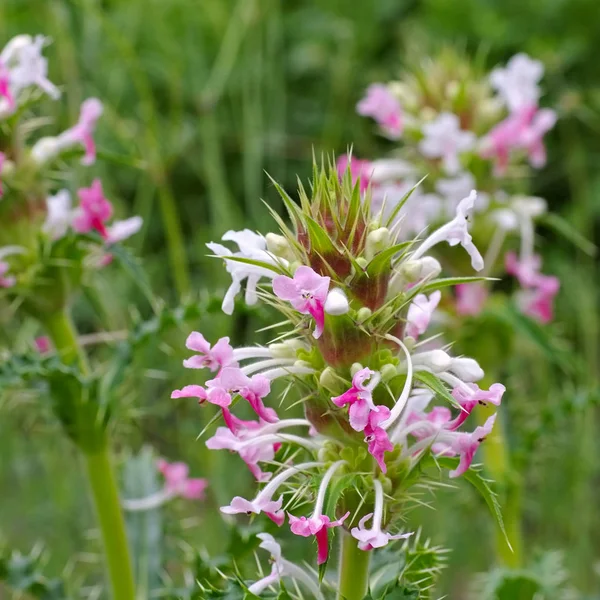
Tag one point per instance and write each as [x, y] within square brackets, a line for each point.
[517, 83]
[360, 398]
[420, 312]
[443, 138]
[94, 210]
[307, 293]
[471, 298]
[214, 358]
[177, 481]
[382, 105]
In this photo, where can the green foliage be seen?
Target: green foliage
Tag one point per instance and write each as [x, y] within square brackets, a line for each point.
[406, 571]
[22, 573]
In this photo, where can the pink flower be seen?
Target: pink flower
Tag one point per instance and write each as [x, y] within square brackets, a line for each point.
[380, 104]
[214, 358]
[317, 526]
[307, 292]
[252, 389]
[2, 159]
[537, 298]
[377, 437]
[420, 313]
[178, 483]
[94, 210]
[264, 500]
[6, 281]
[375, 537]
[463, 444]
[250, 451]
[523, 130]
[215, 395]
[82, 132]
[359, 169]
[5, 87]
[538, 303]
[43, 344]
[470, 298]
[360, 398]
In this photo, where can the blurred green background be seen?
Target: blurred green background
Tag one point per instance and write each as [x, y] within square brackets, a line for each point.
[201, 98]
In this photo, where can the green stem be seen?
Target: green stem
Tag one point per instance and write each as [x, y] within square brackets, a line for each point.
[354, 570]
[99, 470]
[110, 518]
[61, 330]
[497, 464]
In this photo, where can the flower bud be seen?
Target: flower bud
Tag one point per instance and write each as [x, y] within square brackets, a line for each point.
[467, 369]
[336, 303]
[355, 368]
[279, 246]
[45, 150]
[434, 360]
[363, 314]
[377, 241]
[388, 372]
[283, 350]
[330, 380]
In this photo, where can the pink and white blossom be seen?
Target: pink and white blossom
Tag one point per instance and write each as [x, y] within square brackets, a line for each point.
[209, 357]
[455, 232]
[444, 139]
[94, 210]
[471, 298]
[318, 523]
[420, 312]
[307, 293]
[360, 398]
[380, 104]
[374, 536]
[517, 83]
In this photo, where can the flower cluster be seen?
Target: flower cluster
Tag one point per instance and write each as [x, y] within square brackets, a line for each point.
[35, 217]
[381, 402]
[464, 130]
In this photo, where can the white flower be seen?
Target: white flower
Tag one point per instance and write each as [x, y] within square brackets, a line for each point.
[252, 246]
[60, 215]
[390, 168]
[517, 83]
[455, 232]
[336, 303]
[23, 56]
[443, 138]
[121, 230]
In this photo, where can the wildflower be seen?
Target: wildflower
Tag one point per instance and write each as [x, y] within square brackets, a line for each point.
[384, 108]
[455, 232]
[43, 344]
[2, 159]
[318, 523]
[5, 92]
[360, 398]
[517, 83]
[443, 138]
[93, 211]
[27, 67]
[252, 246]
[378, 442]
[420, 313]
[177, 483]
[454, 189]
[121, 230]
[6, 281]
[375, 537]
[82, 132]
[60, 215]
[307, 293]
[470, 298]
[282, 568]
[214, 358]
[264, 500]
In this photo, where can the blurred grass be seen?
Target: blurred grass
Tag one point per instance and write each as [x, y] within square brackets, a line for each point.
[201, 99]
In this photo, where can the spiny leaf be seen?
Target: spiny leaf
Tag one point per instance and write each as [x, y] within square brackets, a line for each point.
[436, 284]
[435, 385]
[402, 202]
[382, 260]
[482, 486]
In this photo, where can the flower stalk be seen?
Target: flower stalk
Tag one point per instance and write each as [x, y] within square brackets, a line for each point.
[353, 570]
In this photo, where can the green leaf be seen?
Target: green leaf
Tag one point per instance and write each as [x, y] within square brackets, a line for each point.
[483, 487]
[402, 202]
[436, 386]
[256, 263]
[144, 528]
[320, 240]
[381, 261]
[565, 229]
[436, 284]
